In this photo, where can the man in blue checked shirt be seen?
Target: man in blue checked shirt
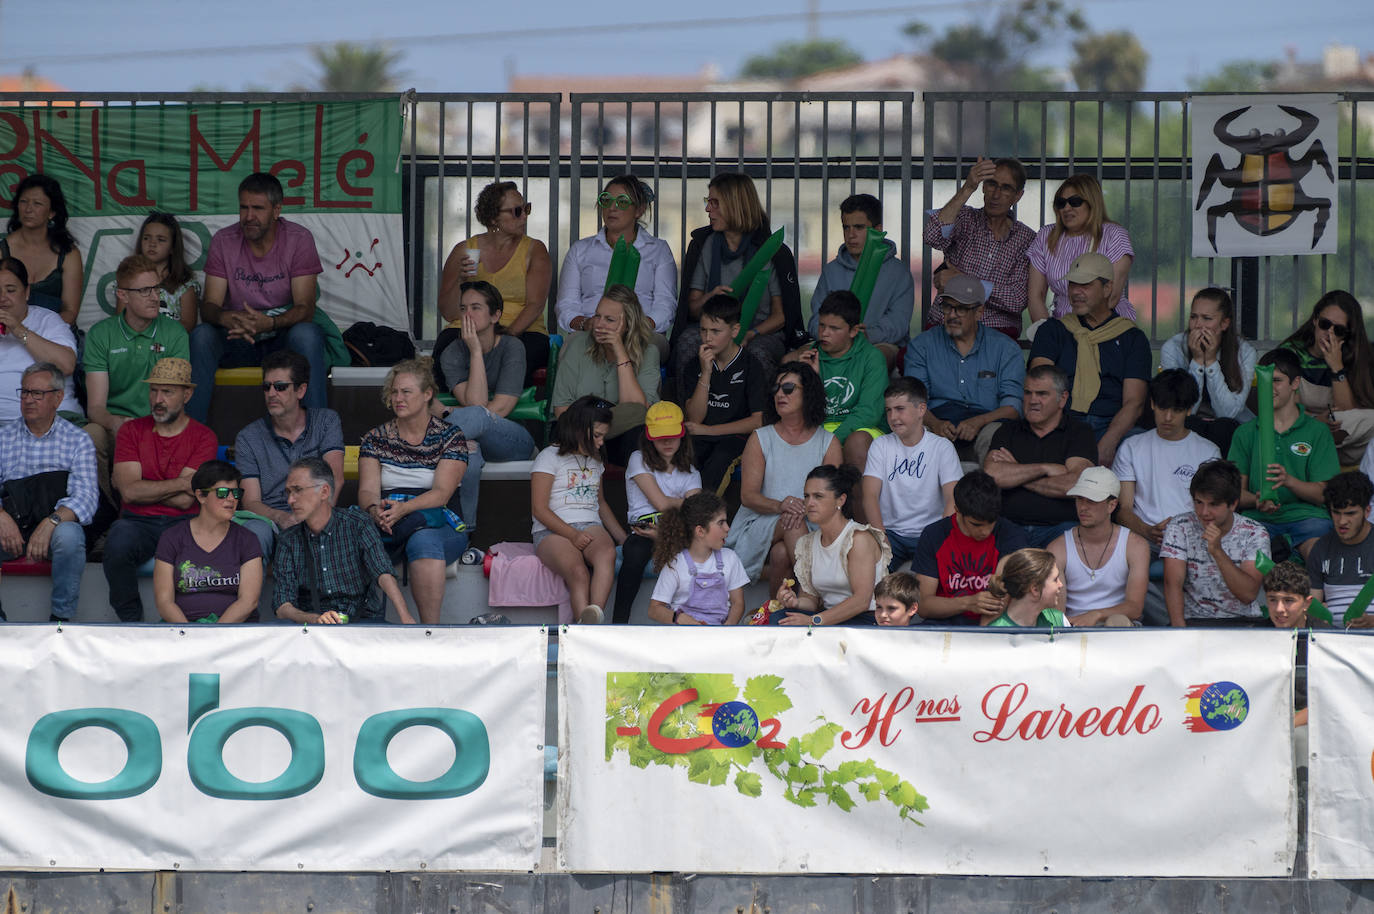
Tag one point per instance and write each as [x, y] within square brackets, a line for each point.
[40, 441]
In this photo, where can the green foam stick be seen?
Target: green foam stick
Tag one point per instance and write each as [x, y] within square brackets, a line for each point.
[624, 269]
[749, 306]
[1264, 564]
[755, 266]
[1264, 395]
[866, 272]
[1360, 603]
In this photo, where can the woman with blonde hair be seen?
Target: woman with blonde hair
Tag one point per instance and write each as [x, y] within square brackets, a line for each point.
[1080, 225]
[410, 470]
[716, 255]
[1029, 579]
[615, 361]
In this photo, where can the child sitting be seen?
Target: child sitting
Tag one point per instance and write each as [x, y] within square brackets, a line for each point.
[700, 582]
[895, 599]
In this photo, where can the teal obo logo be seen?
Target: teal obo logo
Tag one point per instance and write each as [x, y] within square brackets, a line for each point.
[211, 728]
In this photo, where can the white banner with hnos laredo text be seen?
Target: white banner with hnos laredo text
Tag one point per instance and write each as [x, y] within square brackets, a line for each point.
[865, 750]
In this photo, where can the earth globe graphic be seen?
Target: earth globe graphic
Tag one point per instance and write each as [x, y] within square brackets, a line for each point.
[1224, 706]
[735, 724]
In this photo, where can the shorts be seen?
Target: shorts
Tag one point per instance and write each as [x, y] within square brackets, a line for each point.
[540, 535]
[874, 433]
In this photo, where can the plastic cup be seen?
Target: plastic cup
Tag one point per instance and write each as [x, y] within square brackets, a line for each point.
[474, 257]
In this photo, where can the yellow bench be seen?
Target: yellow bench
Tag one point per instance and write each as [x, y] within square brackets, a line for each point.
[351, 461]
[239, 377]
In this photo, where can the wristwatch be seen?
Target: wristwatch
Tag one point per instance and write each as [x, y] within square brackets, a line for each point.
[816, 619]
[55, 518]
[676, 613]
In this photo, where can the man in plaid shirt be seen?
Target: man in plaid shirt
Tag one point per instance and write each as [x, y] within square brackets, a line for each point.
[41, 441]
[330, 564]
[988, 244]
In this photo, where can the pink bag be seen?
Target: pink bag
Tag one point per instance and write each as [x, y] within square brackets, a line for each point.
[518, 578]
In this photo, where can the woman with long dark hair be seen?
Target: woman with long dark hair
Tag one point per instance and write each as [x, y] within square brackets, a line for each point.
[1337, 378]
[38, 237]
[772, 514]
[160, 240]
[840, 562]
[1219, 359]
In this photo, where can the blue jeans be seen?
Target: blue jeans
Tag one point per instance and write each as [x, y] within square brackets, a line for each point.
[498, 439]
[1041, 535]
[266, 532]
[1099, 426]
[132, 540]
[211, 349]
[903, 549]
[1298, 532]
[436, 543]
[67, 554]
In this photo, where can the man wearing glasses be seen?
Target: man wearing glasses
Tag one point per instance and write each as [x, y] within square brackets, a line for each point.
[267, 447]
[41, 441]
[988, 244]
[121, 351]
[155, 457]
[330, 566]
[973, 377]
[261, 282]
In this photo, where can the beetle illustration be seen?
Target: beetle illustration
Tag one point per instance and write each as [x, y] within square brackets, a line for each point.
[1266, 185]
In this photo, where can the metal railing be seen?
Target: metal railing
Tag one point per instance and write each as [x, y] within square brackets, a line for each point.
[807, 151]
[1137, 145]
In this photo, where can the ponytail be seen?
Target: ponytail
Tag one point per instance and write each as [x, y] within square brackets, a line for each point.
[677, 525]
[1023, 571]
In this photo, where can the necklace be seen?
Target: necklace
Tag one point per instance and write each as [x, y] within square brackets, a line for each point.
[1092, 571]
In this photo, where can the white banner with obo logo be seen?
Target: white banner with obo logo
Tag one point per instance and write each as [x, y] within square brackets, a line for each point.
[1340, 707]
[907, 751]
[272, 748]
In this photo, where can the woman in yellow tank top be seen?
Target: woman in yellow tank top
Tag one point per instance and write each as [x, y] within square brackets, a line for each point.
[516, 264]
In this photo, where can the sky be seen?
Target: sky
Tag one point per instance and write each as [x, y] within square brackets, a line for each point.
[170, 45]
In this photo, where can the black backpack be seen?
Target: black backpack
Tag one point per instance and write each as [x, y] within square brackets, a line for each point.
[374, 345]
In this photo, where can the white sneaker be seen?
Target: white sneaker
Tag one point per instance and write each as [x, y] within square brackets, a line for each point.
[591, 615]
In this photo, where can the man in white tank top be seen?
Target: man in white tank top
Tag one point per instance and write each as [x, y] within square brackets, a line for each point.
[1106, 567]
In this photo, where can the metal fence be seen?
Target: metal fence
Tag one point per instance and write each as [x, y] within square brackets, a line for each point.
[807, 151]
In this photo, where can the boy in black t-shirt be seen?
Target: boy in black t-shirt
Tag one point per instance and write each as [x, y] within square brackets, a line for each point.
[725, 391]
[1341, 562]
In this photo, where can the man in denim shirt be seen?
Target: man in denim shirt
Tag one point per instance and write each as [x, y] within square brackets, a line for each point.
[973, 377]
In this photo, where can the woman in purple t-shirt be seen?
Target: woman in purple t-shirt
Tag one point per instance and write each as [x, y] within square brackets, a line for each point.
[209, 569]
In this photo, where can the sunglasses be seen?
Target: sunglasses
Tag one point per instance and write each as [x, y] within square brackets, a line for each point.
[606, 200]
[787, 387]
[1341, 330]
[223, 492]
[1075, 201]
[515, 212]
[278, 386]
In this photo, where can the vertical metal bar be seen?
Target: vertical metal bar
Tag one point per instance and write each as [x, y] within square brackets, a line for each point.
[927, 192]
[496, 167]
[414, 270]
[525, 147]
[442, 218]
[796, 177]
[1269, 297]
[1154, 217]
[555, 145]
[825, 180]
[882, 155]
[1044, 152]
[713, 136]
[1073, 135]
[739, 134]
[467, 193]
[629, 136]
[987, 128]
[658, 147]
[1101, 114]
[904, 174]
[1354, 188]
[574, 170]
[600, 159]
[1016, 128]
[768, 165]
[1184, 210]
[682, 177]
[853, 146]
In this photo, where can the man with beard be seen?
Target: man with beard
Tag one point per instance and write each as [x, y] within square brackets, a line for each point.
[261, 281]
[154, 460]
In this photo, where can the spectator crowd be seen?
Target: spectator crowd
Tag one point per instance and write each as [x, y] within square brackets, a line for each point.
[868, 475]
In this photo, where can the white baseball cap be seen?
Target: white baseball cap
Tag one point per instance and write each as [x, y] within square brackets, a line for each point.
[1096, 484]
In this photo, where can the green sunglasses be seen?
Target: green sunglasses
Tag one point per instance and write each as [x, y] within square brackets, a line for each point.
[620, 201]
[223, 492]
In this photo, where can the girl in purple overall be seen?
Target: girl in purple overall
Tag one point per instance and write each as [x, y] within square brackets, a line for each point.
[700, 582]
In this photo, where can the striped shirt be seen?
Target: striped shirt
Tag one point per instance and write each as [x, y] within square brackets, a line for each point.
[972, 249]
[1116, 243]
[62, 447]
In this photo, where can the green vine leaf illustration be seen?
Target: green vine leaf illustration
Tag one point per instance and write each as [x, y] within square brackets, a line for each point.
[632, 699]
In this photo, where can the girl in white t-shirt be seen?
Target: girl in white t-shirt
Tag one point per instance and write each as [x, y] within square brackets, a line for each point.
[575, 531]
[657, 477]
[700, 582]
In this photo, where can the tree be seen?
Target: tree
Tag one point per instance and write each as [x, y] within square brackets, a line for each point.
[997, 55]
[348, 67]
[1109, 62]
[1237, 76]
[791, 60]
